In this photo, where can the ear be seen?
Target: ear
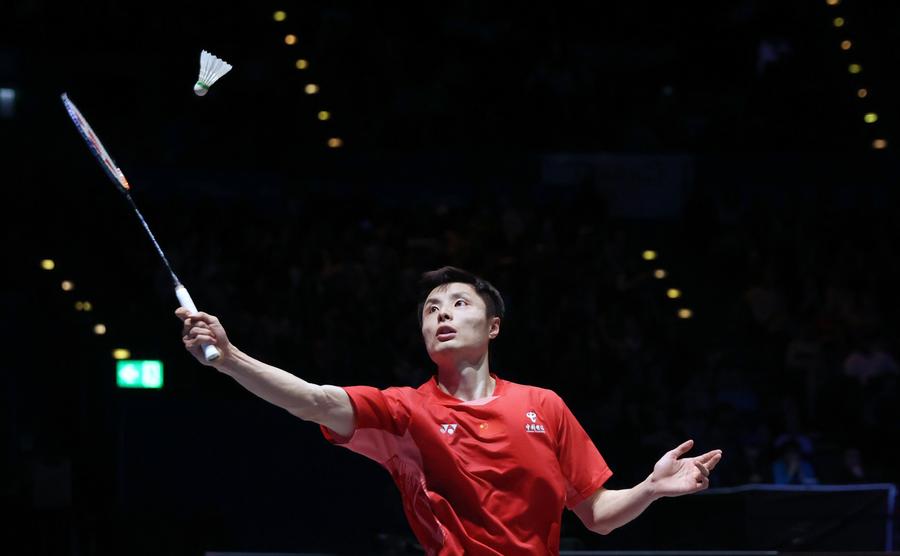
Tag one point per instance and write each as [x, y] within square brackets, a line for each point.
[494, 328]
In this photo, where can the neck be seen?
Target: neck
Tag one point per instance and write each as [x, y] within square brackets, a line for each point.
[467, 380]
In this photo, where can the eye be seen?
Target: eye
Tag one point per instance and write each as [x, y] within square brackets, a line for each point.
[463, 301]
[432, 308]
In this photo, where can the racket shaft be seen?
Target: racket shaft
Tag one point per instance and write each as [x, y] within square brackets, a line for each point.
[209, 351]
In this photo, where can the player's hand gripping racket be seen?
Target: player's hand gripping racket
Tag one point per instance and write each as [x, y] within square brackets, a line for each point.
[118, 178]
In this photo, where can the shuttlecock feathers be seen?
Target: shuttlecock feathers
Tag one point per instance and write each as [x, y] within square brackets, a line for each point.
[211, 70]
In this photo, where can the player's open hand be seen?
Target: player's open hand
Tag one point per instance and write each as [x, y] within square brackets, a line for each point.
[202, 328]
[673, 475]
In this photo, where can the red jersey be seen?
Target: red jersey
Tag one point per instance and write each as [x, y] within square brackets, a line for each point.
[489, 476]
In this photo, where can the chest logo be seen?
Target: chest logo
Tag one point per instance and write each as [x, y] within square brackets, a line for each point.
[448, 428]
[534, 426]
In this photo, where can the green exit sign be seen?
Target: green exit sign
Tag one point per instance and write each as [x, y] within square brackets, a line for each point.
[139, 374]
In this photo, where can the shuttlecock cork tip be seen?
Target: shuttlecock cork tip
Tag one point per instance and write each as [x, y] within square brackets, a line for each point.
[200, 89]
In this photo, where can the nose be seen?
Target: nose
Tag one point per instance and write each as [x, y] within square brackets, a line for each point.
[443, 315]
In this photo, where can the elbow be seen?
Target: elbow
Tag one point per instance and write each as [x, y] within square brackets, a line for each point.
[312, 413]
[301, 413]
[601, 528]
[311, 408]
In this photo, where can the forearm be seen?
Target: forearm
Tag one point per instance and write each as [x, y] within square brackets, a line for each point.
[615, 508]
[274, 385]
[327, 405]
[672, 475]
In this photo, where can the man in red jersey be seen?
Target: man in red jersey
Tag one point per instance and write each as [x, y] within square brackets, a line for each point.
[484, 465]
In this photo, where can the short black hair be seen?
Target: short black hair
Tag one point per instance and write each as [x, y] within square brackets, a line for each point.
[448, 274]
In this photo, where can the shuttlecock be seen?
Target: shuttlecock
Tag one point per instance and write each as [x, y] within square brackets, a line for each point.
[211, 70]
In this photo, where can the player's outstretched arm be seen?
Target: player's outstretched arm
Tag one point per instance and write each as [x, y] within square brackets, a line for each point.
[325, 405]
[672, 475]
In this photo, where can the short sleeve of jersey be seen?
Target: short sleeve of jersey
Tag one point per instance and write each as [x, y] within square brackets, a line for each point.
[583, 468]
[374, 409]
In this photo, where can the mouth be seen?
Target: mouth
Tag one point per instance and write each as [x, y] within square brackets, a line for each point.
[445, 333]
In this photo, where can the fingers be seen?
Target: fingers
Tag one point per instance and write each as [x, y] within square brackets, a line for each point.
[683, 448]
[190, 325]
[701, 477]
[711, 459]
[199, 331]
[205, 317]
[196, 331]
[192, 320]
[703, 483]
[704, 471]
[200, 316]
[198, 342]
[198, 339]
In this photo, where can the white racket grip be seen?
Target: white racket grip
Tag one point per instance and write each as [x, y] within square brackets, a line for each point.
[210, 352]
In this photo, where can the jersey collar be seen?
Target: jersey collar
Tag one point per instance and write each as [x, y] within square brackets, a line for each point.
[435, 390]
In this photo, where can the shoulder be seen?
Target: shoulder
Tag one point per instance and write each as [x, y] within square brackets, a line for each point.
[401, 392]
[394, 394]
[536, 394]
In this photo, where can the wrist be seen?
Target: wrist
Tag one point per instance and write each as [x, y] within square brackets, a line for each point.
[650, 488]
[230, 361]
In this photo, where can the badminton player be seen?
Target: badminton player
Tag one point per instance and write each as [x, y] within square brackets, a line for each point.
[485, 466]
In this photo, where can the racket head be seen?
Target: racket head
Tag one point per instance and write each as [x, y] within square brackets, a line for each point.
[94, 144]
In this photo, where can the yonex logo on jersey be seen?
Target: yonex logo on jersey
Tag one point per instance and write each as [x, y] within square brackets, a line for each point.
[448, 428]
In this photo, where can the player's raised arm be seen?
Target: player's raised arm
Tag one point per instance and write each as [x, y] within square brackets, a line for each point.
[673, 475]
[325, 405]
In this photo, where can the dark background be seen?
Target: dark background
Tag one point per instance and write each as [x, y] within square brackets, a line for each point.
[543, 146]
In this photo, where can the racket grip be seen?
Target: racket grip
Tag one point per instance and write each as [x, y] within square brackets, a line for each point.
[210, 352]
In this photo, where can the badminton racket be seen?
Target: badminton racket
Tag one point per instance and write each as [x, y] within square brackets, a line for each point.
[115, 174]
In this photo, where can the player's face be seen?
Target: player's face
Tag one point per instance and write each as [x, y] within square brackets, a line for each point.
[455, 323]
